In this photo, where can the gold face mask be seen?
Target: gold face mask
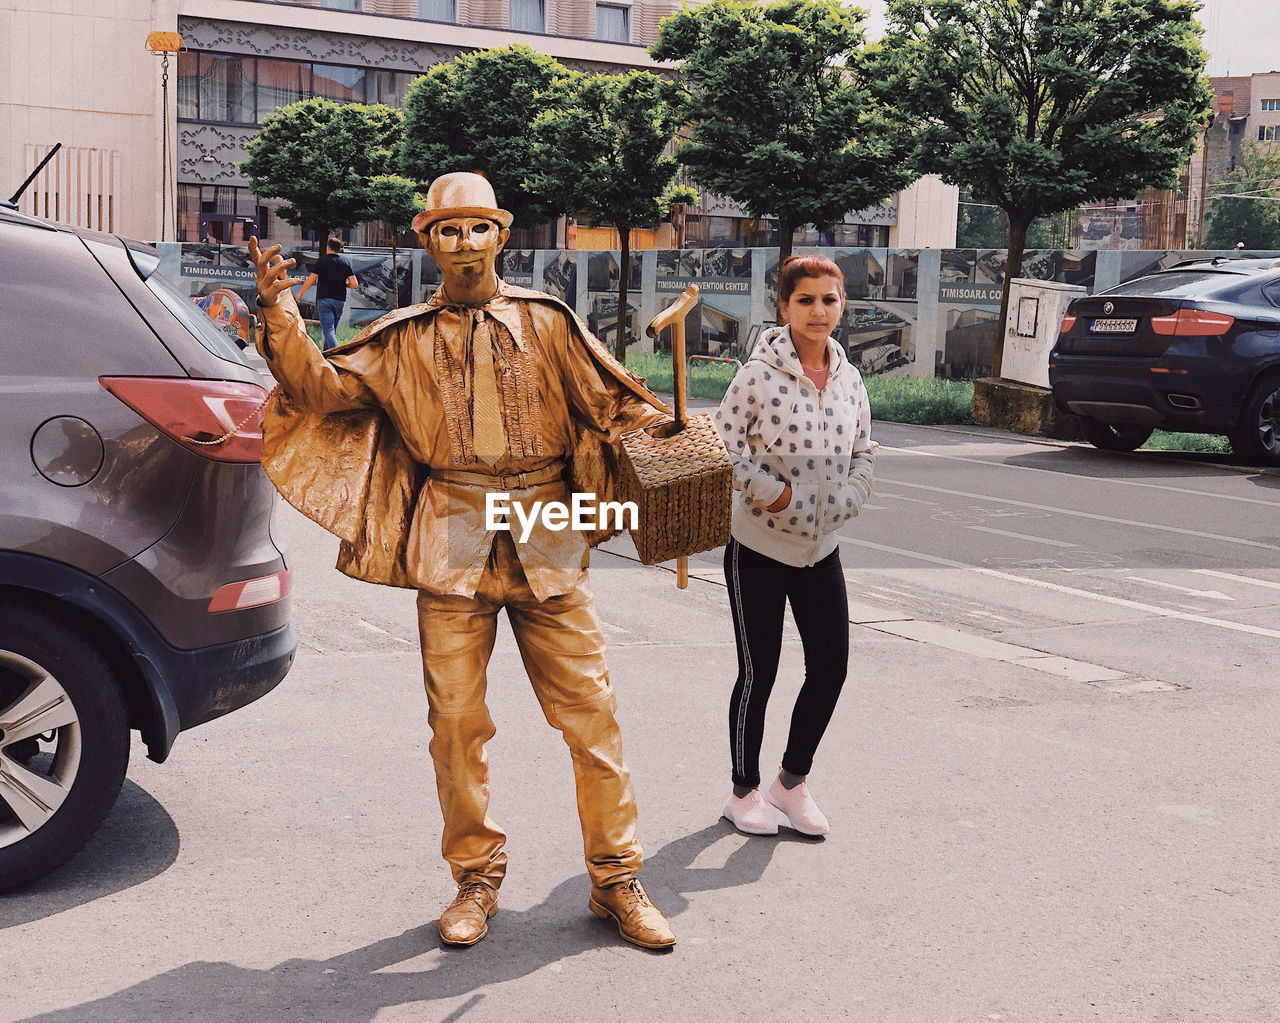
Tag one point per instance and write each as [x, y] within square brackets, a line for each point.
[461, 233]
[466, 248]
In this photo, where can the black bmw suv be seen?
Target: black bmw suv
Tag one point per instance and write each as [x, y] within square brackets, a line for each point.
[140, 586]
[1195, 348]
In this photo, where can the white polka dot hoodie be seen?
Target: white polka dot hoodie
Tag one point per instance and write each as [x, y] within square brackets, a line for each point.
[781, 430]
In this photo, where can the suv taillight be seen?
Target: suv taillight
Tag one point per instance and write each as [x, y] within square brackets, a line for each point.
[1193, 323]
[1068, 321]
[218, 419]
[266, 589]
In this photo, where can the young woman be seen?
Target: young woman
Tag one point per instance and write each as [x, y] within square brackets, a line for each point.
[798, 427]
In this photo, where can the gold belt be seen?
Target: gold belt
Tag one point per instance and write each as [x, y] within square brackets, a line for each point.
[512, 481]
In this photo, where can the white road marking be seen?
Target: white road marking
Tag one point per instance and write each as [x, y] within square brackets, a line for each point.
[381, 632]
[903, 497]
[1089, 515]
[899, 624]
[1208, 594]
[1163, 612]
[1239, 578]
[936, 634]
[1097, 479]
[1022, 536]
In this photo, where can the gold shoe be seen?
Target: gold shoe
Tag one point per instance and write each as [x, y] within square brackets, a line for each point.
[639, 921]
[466, 920]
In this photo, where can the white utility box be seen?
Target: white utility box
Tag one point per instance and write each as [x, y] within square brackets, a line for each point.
[1035, 313]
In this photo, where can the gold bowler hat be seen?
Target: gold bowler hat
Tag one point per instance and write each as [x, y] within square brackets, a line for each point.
[460, 195]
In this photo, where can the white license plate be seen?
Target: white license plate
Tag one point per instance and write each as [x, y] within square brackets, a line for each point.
[1116, 326]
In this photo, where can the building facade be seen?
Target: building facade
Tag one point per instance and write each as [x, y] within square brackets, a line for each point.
[151, 143]
[1245, 108]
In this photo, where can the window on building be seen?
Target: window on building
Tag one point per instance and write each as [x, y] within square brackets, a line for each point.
[218, 214]
[189, 85]
[340, 84]
[528, 16]
[340, 5]
[389, 87]
[220, 86]
[613, 23]
[438, 10]
[1267, 132]
[1271, 104]
[281, 82]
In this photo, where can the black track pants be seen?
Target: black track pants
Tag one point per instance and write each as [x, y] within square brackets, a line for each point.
[759, 589]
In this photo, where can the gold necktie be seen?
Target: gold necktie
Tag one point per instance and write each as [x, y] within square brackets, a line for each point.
[486, 407]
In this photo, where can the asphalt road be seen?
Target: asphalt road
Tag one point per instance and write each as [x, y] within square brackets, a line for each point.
[1051, 779]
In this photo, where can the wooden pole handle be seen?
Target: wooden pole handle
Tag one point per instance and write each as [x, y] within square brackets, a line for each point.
[677, 310]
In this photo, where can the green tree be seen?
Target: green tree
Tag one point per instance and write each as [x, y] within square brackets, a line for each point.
[605, 153]
[395, 201]
[1039, 106]
[318, 156]
[781, 114]
[477, 113]
[1245, 206]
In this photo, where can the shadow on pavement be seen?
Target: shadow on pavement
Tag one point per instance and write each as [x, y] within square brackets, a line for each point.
[138, 841]
[1125, 465]
[349, 988]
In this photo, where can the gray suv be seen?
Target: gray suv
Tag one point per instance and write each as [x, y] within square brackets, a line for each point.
[140, 586]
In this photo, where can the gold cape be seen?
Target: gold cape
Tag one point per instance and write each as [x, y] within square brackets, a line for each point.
[353, 474]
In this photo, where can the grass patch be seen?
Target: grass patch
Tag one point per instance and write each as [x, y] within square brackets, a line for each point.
[920, 401]
[706, 379]
[345, 333]
[1209, 443]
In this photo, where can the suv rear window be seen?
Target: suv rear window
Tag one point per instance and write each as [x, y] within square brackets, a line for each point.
[188, 313]
[1178, 283]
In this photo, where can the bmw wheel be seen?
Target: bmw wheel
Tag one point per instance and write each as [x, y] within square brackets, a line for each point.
[1257, 436]
[1114, 438]
[64, 743]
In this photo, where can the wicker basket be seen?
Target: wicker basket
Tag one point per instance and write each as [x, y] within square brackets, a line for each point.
[682, 484]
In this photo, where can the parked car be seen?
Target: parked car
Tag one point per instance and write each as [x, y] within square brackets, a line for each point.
[141, 587]
[1194, 348]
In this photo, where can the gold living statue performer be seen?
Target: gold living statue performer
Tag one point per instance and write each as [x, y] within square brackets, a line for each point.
[393, 442]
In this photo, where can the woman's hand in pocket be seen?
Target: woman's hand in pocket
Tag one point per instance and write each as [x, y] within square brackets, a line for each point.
[782, 501]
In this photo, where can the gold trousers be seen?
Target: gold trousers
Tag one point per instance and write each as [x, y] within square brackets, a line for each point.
[563, 652]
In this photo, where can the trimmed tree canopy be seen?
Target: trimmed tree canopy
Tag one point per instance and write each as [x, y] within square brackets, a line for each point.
[604, 153]
[318, 156]
[476, 113]
[782, 118]
[1042, 105]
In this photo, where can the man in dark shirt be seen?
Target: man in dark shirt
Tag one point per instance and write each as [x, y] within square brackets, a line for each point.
[332, 275]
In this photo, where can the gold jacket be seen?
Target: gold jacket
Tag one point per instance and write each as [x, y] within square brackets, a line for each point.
[350, 438]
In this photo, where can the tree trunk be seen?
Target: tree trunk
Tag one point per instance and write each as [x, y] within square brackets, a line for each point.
[624, 265]
[1019, 221]
[395, 276]
[786, 232]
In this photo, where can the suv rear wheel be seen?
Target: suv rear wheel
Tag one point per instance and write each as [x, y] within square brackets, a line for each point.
[1114, 438]
[1257, 436]
[64, 743]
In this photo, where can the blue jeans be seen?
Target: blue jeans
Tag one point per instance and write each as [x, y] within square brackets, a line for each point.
[330, 310]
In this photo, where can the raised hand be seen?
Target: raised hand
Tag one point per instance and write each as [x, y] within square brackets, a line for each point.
[272, 271]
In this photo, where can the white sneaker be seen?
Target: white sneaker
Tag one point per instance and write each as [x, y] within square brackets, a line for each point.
[802, 812]
[750, 815]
